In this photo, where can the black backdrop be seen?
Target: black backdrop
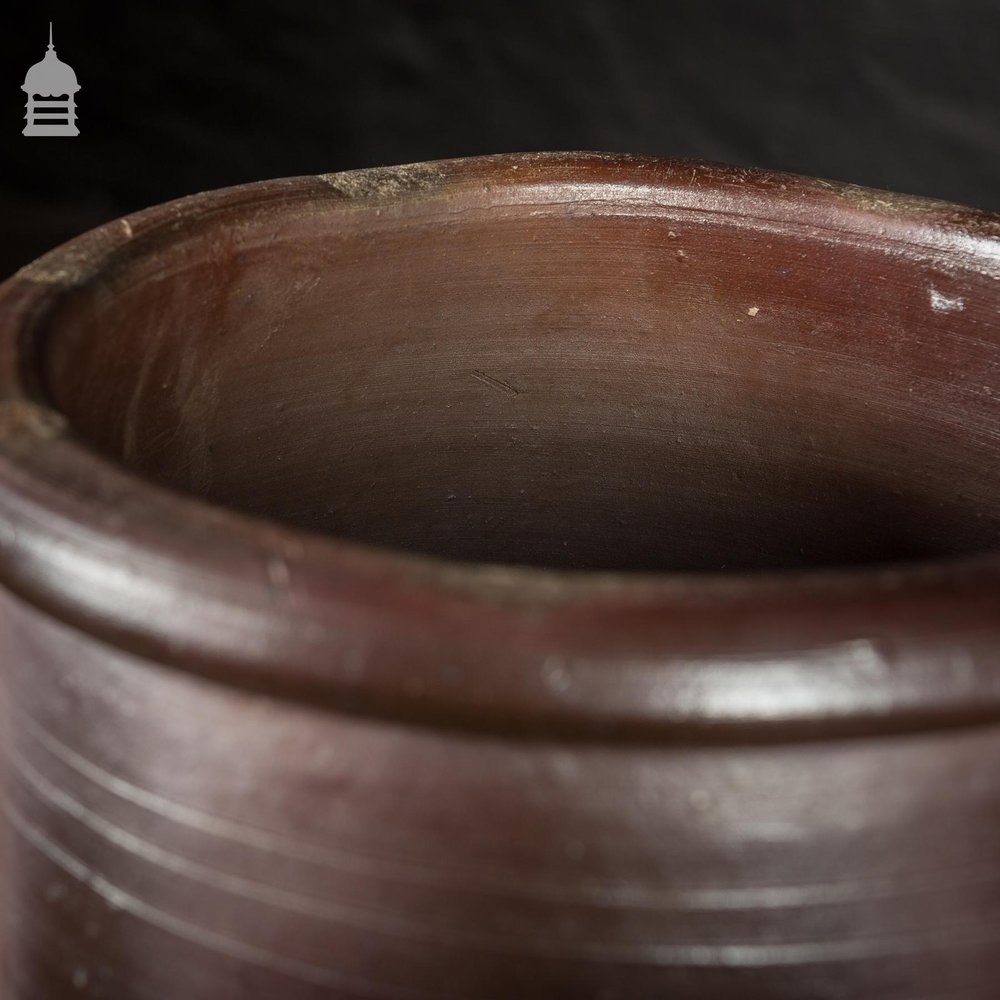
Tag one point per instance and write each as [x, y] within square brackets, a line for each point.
[182, 97]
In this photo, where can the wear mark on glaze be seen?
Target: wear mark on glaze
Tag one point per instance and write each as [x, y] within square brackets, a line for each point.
[186, 930]
[19, 416]
[220, 880]
[686, 955]
[381, 183]
[946, 303]
[506, 882]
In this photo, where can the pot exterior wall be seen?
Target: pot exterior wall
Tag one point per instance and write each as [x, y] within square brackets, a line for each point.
[172, 837]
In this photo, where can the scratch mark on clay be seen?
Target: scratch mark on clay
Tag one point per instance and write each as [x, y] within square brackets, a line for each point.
[946, 303]
[495, 383]
[127, 226]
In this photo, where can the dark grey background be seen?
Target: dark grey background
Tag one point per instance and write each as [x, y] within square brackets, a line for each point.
[182, 97]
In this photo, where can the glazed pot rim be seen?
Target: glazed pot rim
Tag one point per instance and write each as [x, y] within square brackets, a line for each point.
[537, 652]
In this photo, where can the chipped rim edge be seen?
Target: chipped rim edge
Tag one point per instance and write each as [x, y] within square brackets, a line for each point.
[533, 651]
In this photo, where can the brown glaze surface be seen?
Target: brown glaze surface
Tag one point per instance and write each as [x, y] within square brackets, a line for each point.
[533, 576]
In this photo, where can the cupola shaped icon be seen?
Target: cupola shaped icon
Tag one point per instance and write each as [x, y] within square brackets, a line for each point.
[51, 88]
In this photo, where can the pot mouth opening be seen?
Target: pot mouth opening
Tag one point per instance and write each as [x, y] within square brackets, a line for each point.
[277, 436]
[470, 374]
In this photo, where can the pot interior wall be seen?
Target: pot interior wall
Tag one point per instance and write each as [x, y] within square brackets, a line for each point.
[550, 385]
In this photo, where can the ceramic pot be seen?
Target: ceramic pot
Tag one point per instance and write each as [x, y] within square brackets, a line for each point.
[541, 576]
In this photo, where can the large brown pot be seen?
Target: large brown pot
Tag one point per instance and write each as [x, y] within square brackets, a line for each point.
[544, 576]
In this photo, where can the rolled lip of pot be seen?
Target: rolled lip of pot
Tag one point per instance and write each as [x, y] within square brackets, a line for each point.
[523, 652]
